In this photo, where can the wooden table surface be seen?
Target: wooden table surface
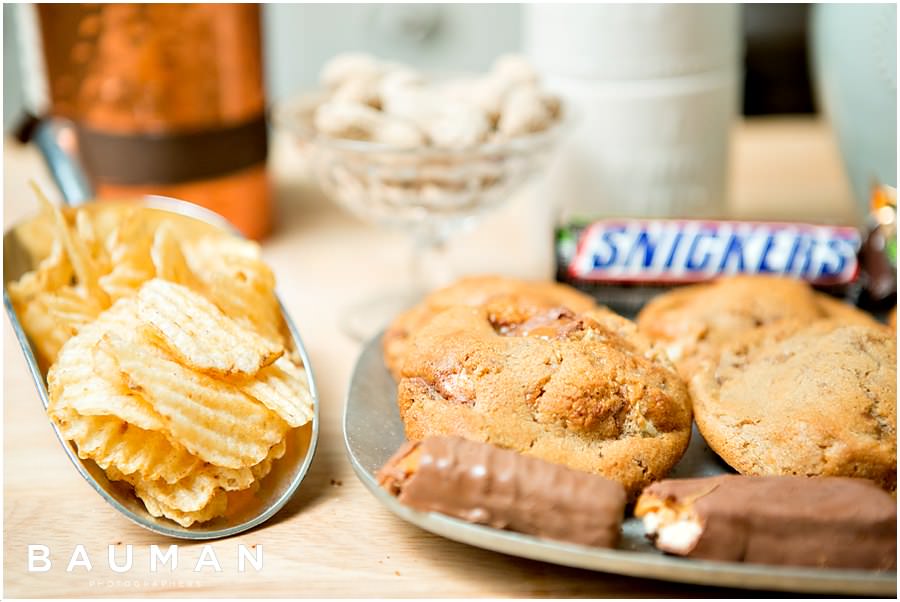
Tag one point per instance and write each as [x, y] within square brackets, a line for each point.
[333, 539]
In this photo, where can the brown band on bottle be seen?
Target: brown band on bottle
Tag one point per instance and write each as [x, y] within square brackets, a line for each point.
[135, 159]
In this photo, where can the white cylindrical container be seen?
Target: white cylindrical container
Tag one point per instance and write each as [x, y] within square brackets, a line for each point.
[631, 41]
[655, 90]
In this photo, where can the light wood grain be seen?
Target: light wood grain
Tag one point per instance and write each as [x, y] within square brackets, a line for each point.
[334, 539]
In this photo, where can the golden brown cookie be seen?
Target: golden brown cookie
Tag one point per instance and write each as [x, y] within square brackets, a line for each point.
[693, 322]
[474, 291]
[584, 390]
[804, 399]
[835, 309]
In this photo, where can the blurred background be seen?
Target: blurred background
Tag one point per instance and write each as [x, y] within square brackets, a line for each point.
[748, 111]
[657, 89]
[299, 39]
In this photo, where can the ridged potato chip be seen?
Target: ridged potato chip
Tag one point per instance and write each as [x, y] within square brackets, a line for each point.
[53, 317]
[128, 246]
[251, 307]
[238, 282]
[191, 494]
[213, 419]
[75, 360]
[261, 470]
[282, 388]
[111, 442]
[199, 334]
[199, 488]
[168, 259]
[216, 506]
[84, 227]
[85, 268]
[52, 273]
[95, 396]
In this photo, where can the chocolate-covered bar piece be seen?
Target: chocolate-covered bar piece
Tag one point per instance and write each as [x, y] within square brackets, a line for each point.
[834, 522]
[484, 484]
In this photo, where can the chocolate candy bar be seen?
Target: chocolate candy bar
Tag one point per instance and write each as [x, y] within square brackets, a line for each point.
[484, 484]
[636, 254]
[832, 522]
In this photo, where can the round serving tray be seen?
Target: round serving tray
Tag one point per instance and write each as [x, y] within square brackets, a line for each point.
[373, 432]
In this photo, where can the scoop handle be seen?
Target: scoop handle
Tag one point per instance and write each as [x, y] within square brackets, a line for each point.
[55, 139]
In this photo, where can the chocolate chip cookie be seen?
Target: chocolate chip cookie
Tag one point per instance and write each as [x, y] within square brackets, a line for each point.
[585, 390]
[474, 291]
[693, 322]
[813, 399]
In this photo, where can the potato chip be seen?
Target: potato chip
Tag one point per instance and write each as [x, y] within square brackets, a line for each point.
[252, 308]
[86, 270]
[119, 318]
[52, 273]
[109, 441]
[191, 494]
[52, 318]
[200, 488]
[85, 230]
[168, 259]
[238, 282]
[282, 388]
[128, 246]
[215, 506]
[261, 470]
[96, 396]
[212, 419]
[231, 479]
[199, 334]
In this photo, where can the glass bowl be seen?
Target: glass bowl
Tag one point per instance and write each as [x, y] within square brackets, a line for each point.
[429, 192]
[400, 186]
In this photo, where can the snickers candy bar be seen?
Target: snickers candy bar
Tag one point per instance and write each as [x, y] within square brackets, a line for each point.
[833, 522]
[636, 254]
[484, 484]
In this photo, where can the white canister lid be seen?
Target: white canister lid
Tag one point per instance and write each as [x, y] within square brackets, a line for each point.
[631, 41]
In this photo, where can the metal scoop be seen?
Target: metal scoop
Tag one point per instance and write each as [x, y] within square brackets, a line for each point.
[287, 473]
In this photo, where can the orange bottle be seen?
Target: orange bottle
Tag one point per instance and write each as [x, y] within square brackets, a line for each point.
[165, 99]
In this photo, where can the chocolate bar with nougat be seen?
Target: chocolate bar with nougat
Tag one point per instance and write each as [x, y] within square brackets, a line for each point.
[833, 522]
[485, 484]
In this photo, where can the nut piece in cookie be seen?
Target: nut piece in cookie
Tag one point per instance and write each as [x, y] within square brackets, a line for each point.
[584, 390]
[484, 484]
[693, 322]
[814, 399]
[797, 521]
[475, 291]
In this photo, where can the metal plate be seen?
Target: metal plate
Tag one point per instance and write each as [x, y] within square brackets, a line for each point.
[373, 431]
[287, 472]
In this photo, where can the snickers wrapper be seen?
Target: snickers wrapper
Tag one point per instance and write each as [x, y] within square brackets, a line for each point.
[484, 484]
[626, 261]
[831, 522]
